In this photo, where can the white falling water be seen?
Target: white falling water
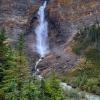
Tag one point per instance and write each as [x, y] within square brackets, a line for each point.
[37, 63]
[41, 31]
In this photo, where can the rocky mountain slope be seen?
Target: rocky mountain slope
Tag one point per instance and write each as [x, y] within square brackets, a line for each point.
[64, 18]
[13, 16]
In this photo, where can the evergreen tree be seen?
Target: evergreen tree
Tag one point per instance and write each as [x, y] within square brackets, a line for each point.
[56, 90]
[42, 90]
[17, 84]
[3, 53]
[16, 74]
[22, 64]
[6, 61]
[31, 89]
[50, 89]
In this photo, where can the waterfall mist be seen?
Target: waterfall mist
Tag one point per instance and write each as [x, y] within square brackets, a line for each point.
[41, 31]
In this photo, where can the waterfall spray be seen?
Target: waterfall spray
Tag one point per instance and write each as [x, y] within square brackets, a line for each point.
[41, 32]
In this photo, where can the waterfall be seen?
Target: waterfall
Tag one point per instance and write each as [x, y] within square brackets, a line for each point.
[41, 31]
[37, 63]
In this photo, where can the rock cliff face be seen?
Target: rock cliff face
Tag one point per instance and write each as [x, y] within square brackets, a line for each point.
[64, 17]
[13, 16]
[69, 15]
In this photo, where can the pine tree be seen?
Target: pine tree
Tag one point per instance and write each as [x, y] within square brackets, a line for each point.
[16, 74]
[3, 53]
[50, 89]
[56, 90]
[22, 65]
[42, 90]
[6, 61]
[31, 89]
[17, 84]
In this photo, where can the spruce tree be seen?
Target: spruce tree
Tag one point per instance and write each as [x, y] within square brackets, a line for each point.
[42, 90]
[56, 90]
[50, 89]
[6, 62]
[22, 65]
[16, 74]
[3, 53]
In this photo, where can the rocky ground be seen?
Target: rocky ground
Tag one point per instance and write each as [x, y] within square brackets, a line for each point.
[64, 17]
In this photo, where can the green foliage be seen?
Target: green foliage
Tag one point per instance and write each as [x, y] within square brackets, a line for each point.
[5, 54]
[15, 69]
[50, 89]
[86, 74]
[86, 37]
[20, 43]
[93, 55]
[92, 84]
[16, 82]
[55, 90]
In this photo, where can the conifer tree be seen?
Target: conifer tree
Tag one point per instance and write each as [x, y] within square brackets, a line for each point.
[6, 62]
[22, 65]
[17, 84]
[3, 52]
[56, 90]
[16, 74]
[50, 89]
[42, 90]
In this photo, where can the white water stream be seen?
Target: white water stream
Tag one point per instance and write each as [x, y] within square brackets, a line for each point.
[42, 46]
[87, 96]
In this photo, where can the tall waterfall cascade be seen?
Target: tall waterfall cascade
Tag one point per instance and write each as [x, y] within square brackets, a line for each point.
[41, 31]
